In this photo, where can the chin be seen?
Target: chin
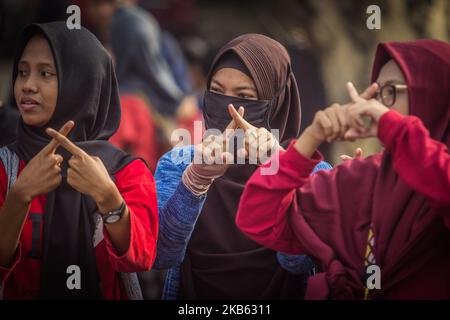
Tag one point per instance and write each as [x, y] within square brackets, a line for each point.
[34, 121]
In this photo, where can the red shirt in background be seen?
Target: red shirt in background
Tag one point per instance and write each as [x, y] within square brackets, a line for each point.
[137, 131]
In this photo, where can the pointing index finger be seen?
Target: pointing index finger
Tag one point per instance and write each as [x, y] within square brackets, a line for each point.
[66, 143]
[238, 119]
[232, 125]
[54, 144]
[353, 93]
[370, 91]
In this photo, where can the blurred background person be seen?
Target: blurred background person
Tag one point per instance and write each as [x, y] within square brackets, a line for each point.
[151, 68]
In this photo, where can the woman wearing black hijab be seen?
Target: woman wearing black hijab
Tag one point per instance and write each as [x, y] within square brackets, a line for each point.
[208, 257]
[75, 223]
[9, 118]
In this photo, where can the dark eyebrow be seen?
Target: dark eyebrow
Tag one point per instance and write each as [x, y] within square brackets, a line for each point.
[40, 64]
[214, 81]
[391, 82]
[246, 87]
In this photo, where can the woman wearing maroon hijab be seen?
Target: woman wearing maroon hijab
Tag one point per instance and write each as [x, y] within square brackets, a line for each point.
[383, 218]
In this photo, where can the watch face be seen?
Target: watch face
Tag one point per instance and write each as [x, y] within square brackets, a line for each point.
[112, 218]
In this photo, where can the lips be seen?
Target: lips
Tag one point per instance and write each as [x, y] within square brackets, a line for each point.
[28, 104]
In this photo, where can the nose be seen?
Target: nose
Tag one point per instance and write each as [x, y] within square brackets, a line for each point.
[30, 85]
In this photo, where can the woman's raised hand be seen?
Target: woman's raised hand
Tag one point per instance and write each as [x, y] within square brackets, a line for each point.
[259, 143]
[87, 174]
[42, 174]
[363, 108]
[213, 150]
[332, 124]
[211, 160]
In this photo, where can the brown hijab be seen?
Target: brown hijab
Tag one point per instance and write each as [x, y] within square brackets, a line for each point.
[221, 262]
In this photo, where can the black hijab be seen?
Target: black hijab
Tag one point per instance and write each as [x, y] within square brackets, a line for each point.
[87, 94]
[221, 262]
[9, 118]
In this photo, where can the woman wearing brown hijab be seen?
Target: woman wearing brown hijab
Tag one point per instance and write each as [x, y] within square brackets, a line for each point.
[208, 256]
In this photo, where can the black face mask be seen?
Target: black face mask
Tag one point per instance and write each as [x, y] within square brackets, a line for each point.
[216, 113]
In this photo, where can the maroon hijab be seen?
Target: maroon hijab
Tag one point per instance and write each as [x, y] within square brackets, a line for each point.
[364, 192]
[221, 262]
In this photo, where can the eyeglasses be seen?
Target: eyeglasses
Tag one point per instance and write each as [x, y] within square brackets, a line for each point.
[387, 94]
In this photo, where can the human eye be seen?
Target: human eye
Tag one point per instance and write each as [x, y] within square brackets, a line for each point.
[46, 74]
[215, 89]
[22, 72]
[247, 95]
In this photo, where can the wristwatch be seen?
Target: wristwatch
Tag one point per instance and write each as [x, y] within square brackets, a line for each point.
[114, 216]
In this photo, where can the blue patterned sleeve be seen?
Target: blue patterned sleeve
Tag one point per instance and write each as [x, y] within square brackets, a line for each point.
[178, 208]
[300, 264]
